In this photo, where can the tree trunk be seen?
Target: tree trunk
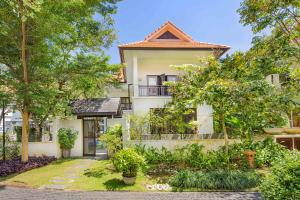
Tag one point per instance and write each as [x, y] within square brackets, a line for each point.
[224, 132]
[25, 111]
[3, 132]
[25, 133]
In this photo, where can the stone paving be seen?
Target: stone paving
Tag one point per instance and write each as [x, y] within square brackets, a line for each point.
[10, 193]
[69, 176]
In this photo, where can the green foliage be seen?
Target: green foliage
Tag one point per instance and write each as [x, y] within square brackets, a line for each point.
[128, 161]
[115, 130]
[277, 52]
[190, 156]
[66, 138]
[283, 182]
[193, 157]
[212, 180]
[65, 46]
[262, 14]
[139, 125]
[113, 139]
[268, 152]
[237, 90]
[12, 148]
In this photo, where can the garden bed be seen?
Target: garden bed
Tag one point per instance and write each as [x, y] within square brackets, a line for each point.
[16, 166]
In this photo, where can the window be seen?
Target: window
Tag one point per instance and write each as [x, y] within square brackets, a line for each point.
[157, 80]
[171, 78]
[34, 136]
[152, 80]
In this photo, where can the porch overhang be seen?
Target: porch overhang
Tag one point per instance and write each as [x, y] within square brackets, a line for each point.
[96, 107]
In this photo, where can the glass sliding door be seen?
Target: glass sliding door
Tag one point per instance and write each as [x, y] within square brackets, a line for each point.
[92, 129]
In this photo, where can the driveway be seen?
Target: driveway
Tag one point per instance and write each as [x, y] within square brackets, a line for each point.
[8, 193]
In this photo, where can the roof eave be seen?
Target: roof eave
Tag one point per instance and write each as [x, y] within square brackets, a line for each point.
[122, 48]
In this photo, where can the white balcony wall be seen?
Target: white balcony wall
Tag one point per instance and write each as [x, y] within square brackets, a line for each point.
[157, 62]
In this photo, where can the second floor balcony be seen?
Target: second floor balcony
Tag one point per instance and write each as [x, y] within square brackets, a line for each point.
[158, 90]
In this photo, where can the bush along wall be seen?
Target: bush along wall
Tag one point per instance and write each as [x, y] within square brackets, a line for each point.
[193, 157]
[215, 180]
[283, 182]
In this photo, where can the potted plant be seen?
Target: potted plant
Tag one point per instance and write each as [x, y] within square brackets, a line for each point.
[128, 161]
[66, 140]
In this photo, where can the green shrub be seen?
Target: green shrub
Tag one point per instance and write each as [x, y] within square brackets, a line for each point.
[113, 139]
[268, 151]
[128, 161]
[283, 182]
[115, 130]
[215, 180]
[193, 157]
[66, 138]
[12, 148]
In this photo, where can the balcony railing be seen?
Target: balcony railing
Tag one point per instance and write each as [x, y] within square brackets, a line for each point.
[159, 90]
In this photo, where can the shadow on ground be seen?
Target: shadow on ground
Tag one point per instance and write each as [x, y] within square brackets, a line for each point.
[114, 184]
[94, 172]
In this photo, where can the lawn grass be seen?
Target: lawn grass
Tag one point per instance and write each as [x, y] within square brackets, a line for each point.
[100, 176]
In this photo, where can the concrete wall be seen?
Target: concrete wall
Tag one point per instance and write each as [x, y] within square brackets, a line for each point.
[142, 105]
[209, 144]
[52, 148]
[205, 119]
[77, 125]
[44, 148]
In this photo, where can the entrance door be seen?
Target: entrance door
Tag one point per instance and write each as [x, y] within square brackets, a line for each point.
[92, 129]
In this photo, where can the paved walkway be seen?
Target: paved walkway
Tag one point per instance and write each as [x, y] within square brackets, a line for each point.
[10, 193]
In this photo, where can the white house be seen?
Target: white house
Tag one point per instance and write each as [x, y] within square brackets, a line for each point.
[148, 64]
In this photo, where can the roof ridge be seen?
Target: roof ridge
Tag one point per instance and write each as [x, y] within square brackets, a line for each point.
[155, 31]
[165, 24]
[179, 29]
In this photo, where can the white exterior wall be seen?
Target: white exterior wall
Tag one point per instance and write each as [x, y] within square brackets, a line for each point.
[205, 119]
[142, 105]
[44, 148]
[114, 121]
[141, 63]
[157, 62]
[52, 148]
[77, 125]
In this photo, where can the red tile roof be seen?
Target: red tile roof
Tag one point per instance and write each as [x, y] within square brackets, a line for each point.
[184, 42]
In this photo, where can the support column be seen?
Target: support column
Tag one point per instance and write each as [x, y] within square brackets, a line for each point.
[135, 77]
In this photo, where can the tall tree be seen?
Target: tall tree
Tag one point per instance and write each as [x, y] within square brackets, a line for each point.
[52, 50]
[236, 89]
[274, 14]
[278, 49]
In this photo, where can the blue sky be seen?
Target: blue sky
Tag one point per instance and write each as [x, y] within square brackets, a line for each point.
[214, 21]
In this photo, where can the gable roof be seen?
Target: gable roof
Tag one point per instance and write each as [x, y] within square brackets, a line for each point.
[184, 41]
[96, 107]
